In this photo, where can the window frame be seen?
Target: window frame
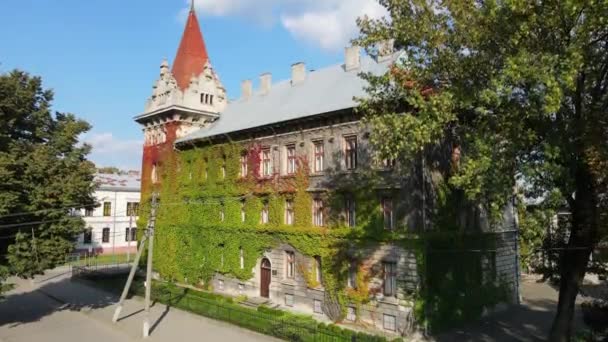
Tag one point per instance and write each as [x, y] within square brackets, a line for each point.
[318, 271]
[350, 211]
[265, 215]
[318, 208]
[244, 166]
[290, 264]
[389, 278]
[351, 280]
[319, 303]
[289, 212]
[290, 155]
[350, 152]
[318, 156]
[105, 235]
[133, 236]
[87, 237]
[388, 213]
[393, 323]
[107, 209]
[133, 209]
[266, 162]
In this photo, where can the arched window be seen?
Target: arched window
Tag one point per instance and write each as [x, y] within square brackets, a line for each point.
[105, 235]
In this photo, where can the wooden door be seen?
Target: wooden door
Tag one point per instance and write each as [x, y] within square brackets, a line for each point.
[265, 278]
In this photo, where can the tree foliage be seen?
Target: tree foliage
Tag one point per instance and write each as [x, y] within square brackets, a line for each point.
[520, 88]
[44, 175]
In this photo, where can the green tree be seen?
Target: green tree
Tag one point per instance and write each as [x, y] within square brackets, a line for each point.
[505, 89]
[43, 175]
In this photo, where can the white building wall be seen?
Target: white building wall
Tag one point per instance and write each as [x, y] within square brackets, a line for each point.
[118, 222]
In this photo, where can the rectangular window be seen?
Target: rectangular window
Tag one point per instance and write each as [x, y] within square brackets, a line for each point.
[291, 159]
[223, 167]
[318, 156]
[350, 152]
[265, 213]
[243, 215]
[290, 263]
[390, 278]
[288, 299]
[266, 163]
[349, 211]
[387, 213]
[351, 314]
[317, 213]
[88, 236]
[127, 234]
[105, 235]
[388, 163]
[317, 306]
[88, 212]
[389, 322]
[243, 162]
[352, 276]
[132, 208]
[318, 269]
[241, 258]
[133, 234]
[107, 208]
[289, 215]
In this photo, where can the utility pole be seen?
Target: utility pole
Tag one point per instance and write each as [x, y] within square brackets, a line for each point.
[129, 235]
[149, 235]
[114, 226]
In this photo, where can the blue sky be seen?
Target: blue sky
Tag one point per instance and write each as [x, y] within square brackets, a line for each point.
[102, 57]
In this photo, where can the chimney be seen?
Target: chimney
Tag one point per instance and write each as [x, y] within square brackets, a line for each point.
[246, 89]
[298, 73]
[265, 83]
[385, 50]
[352, 59]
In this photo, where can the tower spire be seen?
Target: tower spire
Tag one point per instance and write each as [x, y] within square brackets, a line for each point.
[191, 55]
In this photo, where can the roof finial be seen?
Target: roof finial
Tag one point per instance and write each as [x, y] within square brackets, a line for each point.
[191, 5]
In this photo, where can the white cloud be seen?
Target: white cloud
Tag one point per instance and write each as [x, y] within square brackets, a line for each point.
[109, 150]
[329, 24]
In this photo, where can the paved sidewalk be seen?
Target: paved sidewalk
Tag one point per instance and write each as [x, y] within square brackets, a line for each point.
[529, 321]
[89, 310]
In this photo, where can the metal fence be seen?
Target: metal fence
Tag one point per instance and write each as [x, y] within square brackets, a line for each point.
[269, 323]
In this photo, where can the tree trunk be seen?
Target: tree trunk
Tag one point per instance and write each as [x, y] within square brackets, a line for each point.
[574, 260]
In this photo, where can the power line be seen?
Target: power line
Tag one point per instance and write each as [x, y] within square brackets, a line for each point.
[68, 206]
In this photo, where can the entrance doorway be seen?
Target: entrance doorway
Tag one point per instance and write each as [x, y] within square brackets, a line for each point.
[265, 278]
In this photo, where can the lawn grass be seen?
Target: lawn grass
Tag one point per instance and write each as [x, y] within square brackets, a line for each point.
[101, 259]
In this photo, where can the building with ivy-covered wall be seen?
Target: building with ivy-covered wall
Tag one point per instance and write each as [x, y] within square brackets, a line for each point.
[279, 195]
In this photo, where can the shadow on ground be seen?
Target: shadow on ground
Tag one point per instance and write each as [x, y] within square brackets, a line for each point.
[529, 322]
[25, 307]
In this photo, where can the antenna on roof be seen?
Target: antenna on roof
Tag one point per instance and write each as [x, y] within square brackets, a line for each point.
[191, 5]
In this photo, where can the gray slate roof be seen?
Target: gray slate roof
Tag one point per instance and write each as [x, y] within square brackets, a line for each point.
[114, 182]
[324, 90]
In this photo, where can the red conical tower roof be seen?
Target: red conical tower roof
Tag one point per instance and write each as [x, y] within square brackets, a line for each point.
[192, 53]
